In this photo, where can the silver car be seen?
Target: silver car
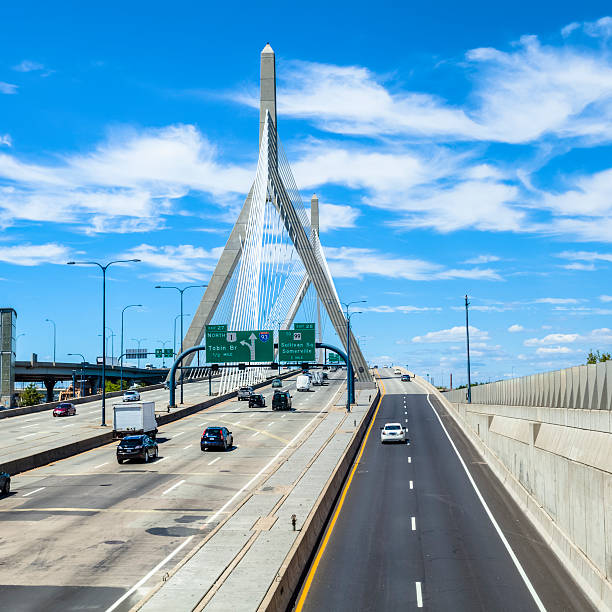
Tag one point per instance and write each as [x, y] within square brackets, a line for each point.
[393, 432]
[131, 396]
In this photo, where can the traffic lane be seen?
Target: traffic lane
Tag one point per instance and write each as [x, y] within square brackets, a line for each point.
[142, 517]
[555, 586]
[377, 554]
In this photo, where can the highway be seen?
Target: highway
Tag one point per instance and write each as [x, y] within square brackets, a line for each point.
[411, 531]
[87, 533]
[29, 433]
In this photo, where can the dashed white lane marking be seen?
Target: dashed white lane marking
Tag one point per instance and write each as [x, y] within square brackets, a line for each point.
[409, 459]
[250, 416]
[26, 426]
[411, 485]
[97, 466]
[284, 415]
[419, 595]
[236, 423]
[255, 434]
[202, 424]
[500, 533]
[188, 446]
[413, 523]
[162, 459]
[405, 413]
[272, 423]
[28, 435]
[180, 433]
[32, 492]
[180, 482]
[214, 460]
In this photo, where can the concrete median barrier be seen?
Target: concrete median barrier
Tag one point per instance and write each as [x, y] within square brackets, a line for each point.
[283, 590]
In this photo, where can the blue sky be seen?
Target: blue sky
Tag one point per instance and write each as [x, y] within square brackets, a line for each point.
[454, 149]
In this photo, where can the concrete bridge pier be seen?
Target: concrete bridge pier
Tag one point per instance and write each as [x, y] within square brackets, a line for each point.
[49, 385]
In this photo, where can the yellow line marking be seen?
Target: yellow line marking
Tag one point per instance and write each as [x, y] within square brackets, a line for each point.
[317, 560]
[112, 510]
[261, 431]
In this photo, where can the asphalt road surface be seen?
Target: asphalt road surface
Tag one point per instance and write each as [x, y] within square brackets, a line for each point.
[413, 533]
[79, 534]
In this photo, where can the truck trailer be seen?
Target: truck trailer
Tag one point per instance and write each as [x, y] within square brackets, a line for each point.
[133, 418]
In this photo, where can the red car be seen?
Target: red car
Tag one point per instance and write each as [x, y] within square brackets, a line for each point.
[64, 409]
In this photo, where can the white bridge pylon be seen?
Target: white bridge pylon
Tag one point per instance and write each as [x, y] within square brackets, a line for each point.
[272, 256]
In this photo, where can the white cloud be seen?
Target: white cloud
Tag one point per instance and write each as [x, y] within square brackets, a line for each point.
[580, 267]
[552, 339]
[335, 216]
[181, 263]
[405, 309]
[6, 140]
[513, 329]
[585, 256]
[453, 334]
[34, 254]
[551, 300]
[126, 184]
[28, 66]
[7, 88]
[350, 262]
[605, 298]
[559, 350]
[482, 259]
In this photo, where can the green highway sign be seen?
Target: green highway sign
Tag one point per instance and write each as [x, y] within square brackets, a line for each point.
[159, 353]
[299, 326]
[224, 346]
[333, 358]
[297, 344]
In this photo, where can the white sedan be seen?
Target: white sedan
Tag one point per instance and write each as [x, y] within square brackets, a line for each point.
[131, 396]
[392, 432]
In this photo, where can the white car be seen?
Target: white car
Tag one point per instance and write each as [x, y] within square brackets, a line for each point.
[392, 432]
[131, 396]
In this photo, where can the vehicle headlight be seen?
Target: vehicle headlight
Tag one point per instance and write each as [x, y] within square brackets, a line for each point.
[137, 447]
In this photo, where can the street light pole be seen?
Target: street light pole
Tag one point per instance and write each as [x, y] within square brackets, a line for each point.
[181, 291]
[350, 391]
[121, 364]
[82, 367]
[54, 337]
[467, 338]
[103, 268]
[138, 340]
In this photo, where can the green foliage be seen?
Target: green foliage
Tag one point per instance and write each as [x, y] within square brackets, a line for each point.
[115, 386]
[597, 357]
[30, 396]
[474, 384]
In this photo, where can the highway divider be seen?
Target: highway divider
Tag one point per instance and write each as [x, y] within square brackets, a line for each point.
[294, 567]
[36, 460]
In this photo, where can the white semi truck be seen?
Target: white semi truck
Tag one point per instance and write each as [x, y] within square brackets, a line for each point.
[133, 418]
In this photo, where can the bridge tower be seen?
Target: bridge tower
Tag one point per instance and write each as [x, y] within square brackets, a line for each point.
[244, 257]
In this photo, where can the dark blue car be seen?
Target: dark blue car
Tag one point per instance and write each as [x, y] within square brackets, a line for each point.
[5, 483]
[217, 437]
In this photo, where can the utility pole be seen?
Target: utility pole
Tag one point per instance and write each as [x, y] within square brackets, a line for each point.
[467, 337]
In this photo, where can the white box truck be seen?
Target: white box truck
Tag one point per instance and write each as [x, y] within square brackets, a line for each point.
[302, 383]
[132, 418]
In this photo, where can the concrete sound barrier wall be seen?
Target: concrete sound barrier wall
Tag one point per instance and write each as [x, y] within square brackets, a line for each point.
[585, 387]
[555, 462]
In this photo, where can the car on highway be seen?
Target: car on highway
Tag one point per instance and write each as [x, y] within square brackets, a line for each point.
[324, 376]
[167, 385]
[405, 377]
[137, 447]
[244, 393]
[281, 400]
[397, 371]
[131, 396]
[257, 400]
[277, 382]
[5, 483]
[216, 437]
[64, 409]
[392, 432]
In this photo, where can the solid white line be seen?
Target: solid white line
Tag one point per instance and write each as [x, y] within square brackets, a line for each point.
[255, 434]
[214, 460]
[500, 533]
[419, 595]
[32, 492]
[145, 578]
[411, 486]
[97, 466]
[413, 523]
[409, 459]
[180, 482]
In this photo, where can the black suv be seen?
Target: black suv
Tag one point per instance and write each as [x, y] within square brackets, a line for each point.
[217, 437]
[281, 400]
[137, 447]
[5, 483]
[257, 400]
